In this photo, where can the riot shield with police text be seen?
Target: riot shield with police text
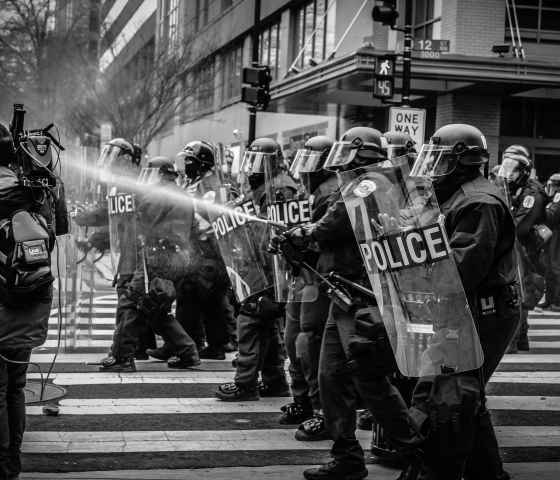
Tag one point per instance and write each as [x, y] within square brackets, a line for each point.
[238, 237]
[289, 204]
[123, 232]
[401, 236]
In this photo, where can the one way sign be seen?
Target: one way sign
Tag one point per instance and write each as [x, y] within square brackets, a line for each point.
[408, 120]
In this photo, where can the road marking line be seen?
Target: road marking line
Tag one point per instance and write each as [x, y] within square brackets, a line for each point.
[532, 358]
[232, 440]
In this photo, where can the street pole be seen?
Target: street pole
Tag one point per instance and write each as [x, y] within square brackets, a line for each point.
[407, 54]
[254, 63]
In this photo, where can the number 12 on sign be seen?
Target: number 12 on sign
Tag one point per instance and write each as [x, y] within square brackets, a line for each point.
[383, 87]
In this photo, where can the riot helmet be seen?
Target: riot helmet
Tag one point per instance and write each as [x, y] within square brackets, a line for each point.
[553, 185]
[494, 174]
[263, 151]
[453, 150]
[516, 166]
[118, 157]
[159, 169]
[196, 158]
[359, 146]
[399, 144]
[308, 162]
[7, 150]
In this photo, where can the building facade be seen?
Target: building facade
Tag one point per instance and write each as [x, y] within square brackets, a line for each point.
[322, 55]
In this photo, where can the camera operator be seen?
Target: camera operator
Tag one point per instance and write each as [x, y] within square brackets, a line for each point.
[31, 215]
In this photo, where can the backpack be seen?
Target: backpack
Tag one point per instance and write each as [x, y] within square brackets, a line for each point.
[25, 258]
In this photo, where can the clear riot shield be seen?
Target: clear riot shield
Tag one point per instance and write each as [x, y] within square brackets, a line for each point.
[238, 240]
[400, 232]
[123, 231]
[287, 203]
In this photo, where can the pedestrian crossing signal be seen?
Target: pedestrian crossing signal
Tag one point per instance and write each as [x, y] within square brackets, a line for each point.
[384, 82]
[257, 92]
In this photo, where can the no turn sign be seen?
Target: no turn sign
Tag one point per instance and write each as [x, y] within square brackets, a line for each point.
[408, 120]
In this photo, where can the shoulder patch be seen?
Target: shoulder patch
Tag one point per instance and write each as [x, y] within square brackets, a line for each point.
[556, 198]
[528, 201]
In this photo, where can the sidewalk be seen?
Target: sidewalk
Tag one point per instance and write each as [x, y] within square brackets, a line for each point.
[518, 471]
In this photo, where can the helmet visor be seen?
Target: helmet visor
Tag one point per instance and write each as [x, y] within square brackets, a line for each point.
[112, 163]
[434, 161]
[306, 161]
[149, 176]
[341, 154]
[509, 170]
[253, 162]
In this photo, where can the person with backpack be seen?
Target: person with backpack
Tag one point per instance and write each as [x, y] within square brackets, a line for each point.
[30, 219]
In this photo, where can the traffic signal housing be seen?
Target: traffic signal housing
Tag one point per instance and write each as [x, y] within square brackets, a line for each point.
[257, 92]
[384, 77]
[386, 13]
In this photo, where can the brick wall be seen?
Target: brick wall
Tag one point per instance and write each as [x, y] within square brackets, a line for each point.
[482, 112]
[473, 26]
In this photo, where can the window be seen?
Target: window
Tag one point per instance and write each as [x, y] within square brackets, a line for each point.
[269, 48]
[232, 63]
[314, 31]
[427, 19]
[204, 77]
[201, 14]
[69, 14]
[539, 20]
[168, 24]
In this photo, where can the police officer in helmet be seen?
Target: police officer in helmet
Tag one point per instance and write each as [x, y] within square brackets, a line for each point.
[203, 304]
[552, 255]
[399, 144]
[528, 201]
[305, 321]
[339, 386]
[258, 323]
[481, 235]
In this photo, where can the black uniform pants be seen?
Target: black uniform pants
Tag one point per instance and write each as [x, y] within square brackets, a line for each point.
[205, 317]
[167, 269]
[495, 329]
[340, 388]
[144, 335]
[305, 323]
[12, 410]
[260, 350]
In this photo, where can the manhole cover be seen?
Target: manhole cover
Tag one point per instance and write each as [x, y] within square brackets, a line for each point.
[49, 393]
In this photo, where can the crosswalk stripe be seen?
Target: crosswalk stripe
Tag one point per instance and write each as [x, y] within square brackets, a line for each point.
[85, 332]
[232, 440]
[172, 405]
[81, 358]
[204, 377]
[543, 333]
[86, 321]
[532, 358]
[537, 344]
[544, 321]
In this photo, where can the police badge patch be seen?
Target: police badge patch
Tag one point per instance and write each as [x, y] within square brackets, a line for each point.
[528, 201]
[556, 198]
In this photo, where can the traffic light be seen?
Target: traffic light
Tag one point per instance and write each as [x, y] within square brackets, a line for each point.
[386, 13]
[257, 93]
[384, 80]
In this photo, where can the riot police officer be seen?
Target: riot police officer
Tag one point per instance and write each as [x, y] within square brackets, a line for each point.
[305, 321]
[481, 235]
[259, 320]
[552, 271]
[399, 144]
[528, 202]
[339, 385]
[164, 219]
[203, 304]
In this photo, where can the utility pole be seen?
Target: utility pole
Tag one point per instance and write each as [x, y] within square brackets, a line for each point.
[254, 63]
[407, 54]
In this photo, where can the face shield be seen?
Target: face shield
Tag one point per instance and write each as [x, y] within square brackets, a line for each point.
[341, 154]
[552, 188]
[434, 161]
[306, 161]
[149, 176]
[254, 162]
[112, 163]
[509, 170]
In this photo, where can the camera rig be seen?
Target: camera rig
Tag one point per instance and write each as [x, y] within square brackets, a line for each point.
[33, 151]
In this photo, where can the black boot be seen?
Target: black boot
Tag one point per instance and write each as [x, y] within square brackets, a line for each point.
[277, 389]
[210, 353]
[296, 412]
[112, 364]
[163, 353]
[187, 359]
[232, 392]
[336, 470]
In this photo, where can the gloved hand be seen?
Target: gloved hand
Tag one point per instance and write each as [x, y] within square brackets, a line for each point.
[268, 309]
